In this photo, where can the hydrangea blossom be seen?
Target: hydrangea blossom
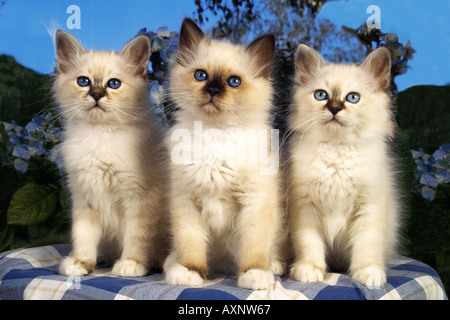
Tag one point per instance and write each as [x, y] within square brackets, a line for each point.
[164, 53]
[432, 170]
[37, 138]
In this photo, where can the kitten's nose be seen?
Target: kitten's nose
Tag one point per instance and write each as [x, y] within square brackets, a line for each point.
[97, 93]
[334, 107]
[214, 87]
[334, 110]
[213, 91]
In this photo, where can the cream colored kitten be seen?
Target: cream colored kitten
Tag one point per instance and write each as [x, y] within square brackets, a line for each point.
[224, 199]
[112, 155]
[342, 199]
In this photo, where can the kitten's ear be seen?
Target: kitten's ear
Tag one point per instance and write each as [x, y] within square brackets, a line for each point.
[378, 63]
[137, 53]
[190, 37]
[261, 51]
[67, 51]
[307, 62]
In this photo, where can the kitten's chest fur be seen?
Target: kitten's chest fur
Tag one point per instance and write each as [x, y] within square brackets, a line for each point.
[215, 176]
[334, 173]
[100, 164]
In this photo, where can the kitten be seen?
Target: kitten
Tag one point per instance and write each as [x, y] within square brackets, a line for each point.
[112, 151]
[224, 206]
[342, 198]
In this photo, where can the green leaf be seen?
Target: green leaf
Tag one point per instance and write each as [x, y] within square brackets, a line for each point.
[31, 204]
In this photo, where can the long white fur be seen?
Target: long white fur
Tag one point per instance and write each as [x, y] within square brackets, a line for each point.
[113, 161]
[223, 212]
[343, 198]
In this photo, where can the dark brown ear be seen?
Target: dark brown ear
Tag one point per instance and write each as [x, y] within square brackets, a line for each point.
[137, 53]
[262, 50]
[378, 63]
[307, 62]
[67, 51]
[190, 37]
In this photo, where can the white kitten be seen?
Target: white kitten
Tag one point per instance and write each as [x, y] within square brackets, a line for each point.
[224, 197]
[113, 158]
[342, 196]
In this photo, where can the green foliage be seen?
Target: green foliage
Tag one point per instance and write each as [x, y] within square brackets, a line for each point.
[23, 92]
[428, 231]
[34, 207]
[423, 117]
[423, 114]
[31, 204]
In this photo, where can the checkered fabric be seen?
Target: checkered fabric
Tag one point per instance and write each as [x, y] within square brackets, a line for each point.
[33, 274]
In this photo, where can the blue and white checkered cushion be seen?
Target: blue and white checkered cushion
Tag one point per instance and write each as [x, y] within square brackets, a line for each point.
[33, 274]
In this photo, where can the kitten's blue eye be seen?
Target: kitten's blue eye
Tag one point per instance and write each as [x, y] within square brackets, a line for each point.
[353, 97]
[201, 75]
[234, 82]
[83, 81]
[114, 83]
[321, 95]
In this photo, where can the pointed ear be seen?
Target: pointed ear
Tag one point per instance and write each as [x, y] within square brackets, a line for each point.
[67, 51]
[261, 51]
[137, 53]
[307, 62]
[378, 63]
[190, 37]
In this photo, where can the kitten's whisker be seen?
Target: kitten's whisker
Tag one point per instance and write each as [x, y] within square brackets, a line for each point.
[296, 128]
[304, 131]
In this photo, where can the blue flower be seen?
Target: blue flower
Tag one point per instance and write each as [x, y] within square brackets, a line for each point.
[20, 165]
[429, 179]
[21, 151]
[163, 32]
[428, 193]
[35, 148]
[10, 126]
[53, 135]
[443, 175]
[432, 170]
[31, 126]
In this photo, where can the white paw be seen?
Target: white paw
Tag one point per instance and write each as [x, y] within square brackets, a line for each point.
[129, 268]
[372, 276]
[176, 274]
[278, 267]
[307, 272]
[75, 267]
[256, 279]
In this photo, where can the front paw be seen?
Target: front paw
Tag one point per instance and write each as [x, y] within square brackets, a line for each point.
[256, 279]
[372, 276]
[129, 268]
[307, 272]
[177, 274]
[71, 266]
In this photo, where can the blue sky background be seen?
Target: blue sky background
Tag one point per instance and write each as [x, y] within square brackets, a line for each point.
[108, 25]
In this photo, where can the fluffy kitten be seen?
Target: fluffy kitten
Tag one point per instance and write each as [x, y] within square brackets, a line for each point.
[224, 205]
[112, 154]
[342, 199]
